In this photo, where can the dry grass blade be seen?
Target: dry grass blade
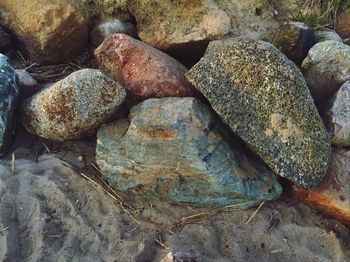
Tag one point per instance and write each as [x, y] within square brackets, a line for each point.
[111, 189]
[276, 251]
[4, 229]
[255, 212]
[121, 203]
[160, 242]
[13, 164]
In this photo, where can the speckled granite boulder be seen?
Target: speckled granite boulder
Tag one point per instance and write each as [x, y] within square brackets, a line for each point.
[144, 71]
[326, 68]
[262, 96]
[8, 103]
[176, 24]
[49, 31]
[337, 118]
[175, 150]
[112, 26]
[73, 107]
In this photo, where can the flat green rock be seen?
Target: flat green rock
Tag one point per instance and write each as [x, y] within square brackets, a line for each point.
[262, 96]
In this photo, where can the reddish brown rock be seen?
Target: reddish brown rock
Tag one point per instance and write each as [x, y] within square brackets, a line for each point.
[144, 71]
[332, 196]
[343, 24]
[49, 31]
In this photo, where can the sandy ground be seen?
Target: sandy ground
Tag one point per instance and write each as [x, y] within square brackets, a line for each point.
[48, 212]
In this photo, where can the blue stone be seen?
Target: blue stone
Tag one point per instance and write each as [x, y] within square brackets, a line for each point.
[8, 103]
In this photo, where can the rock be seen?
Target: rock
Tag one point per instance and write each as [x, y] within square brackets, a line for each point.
[342, 26]
[338, 117]
[28, 86]
[115, 26]
[178, 257]
[262, 96]
[165, 24]
[255, 19]
[101, 10]
[327, 34]
[55, 32]
[8, 103]
[294, 39]
[73, 107]
[5, 40]
[326, 68]
[332, 196]
[144, 71]
[173, 149]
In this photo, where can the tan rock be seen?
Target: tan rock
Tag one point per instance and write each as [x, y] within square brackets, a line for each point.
[332, 196]
[49, 31]
[73, 107]
[144, 71]
[170, 24]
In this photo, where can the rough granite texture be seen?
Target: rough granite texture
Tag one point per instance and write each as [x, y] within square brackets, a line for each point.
[338, 117]
[8, 103]
[73, 107]
[326, 68]
[173, 149]
[262, 96]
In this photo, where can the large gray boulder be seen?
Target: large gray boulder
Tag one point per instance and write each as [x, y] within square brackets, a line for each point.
[8, 103]
[263, 97]
[174, 149]
[73, 107]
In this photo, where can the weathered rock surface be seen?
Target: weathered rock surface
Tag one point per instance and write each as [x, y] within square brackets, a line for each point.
[144, 71]
[256, 19]
[5, 40]
[27, 85]
[115, 26]
[327, 34]
[337, 118]
[332, 196]
[174, 24]
[294, 39]
[262, 96]
[73, 107]
[49, 31]
[326, 68]
[173, 149]
[8, 103]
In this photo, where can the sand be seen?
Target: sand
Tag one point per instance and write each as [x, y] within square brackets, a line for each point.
[51, 213]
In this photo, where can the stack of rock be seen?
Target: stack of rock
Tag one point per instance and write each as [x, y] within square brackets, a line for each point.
[218, 134]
